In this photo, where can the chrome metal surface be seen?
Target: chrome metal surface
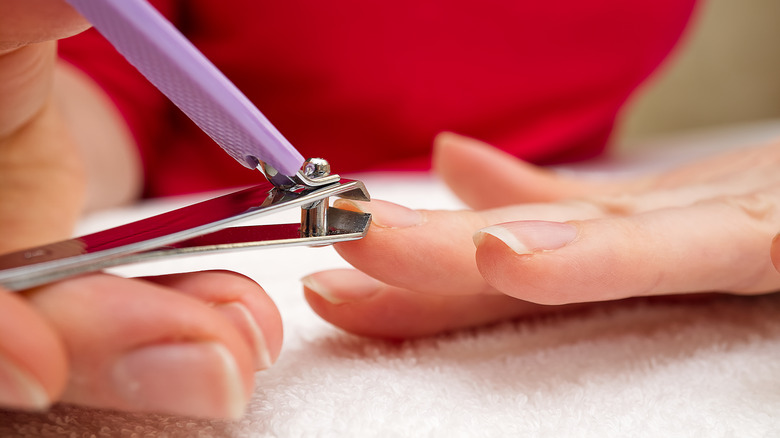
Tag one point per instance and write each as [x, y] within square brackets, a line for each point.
[316, 168]
[298, 181]
[314, 217]
[314, 220]
[40, 265]
[276, 178]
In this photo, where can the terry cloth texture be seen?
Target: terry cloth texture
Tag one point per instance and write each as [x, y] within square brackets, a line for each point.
[685, 369]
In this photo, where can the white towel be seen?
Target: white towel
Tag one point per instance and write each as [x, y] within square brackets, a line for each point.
[684, 369]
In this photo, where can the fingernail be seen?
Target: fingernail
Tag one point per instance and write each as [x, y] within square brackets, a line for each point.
[194, 379]
[384, 214]
[342, 285]
[528, 237]
[246, 323]
[19, 390]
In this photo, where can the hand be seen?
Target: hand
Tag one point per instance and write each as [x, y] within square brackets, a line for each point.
[185, 344]
[544, 241]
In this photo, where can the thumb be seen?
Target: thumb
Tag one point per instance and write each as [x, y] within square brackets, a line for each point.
[483, 176]
[775, 251]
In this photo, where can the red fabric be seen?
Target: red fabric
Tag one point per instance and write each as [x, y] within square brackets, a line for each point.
[368, 84]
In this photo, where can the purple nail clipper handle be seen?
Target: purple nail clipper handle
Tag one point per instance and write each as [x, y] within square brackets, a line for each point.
[170, 62]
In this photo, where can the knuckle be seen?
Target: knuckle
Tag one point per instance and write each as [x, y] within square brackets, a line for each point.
[759, 207]
[613, 205]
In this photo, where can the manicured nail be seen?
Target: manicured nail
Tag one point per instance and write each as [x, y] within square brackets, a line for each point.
[384, 214]
[194, 379]
[246, 323]
[19, 390]
[528, 237]
[342, 285]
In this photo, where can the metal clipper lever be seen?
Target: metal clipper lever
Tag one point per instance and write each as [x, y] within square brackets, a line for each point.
[207, 226]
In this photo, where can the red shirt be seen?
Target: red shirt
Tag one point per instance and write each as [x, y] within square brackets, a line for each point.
[368, 84]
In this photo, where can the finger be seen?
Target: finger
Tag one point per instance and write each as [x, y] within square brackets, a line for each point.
[139, 346]
[475, 171]
[247, 306]
[40, 166]
[33, 364]
[757, 165]
[483, 176]
[359, 304]
[428, 251]
[44, 176]
[26, 76]
[674, 250]
[433, 251]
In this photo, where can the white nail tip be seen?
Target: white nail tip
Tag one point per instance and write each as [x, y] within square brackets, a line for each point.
[20, 390]
[505, 236]
[262, 356]
[232, 384]
[315, 286]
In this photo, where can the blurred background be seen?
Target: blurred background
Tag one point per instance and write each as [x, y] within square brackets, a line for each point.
[726, 71]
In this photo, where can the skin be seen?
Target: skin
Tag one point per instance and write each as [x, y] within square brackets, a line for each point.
[64, 151]
[99, 340]
[704, 227]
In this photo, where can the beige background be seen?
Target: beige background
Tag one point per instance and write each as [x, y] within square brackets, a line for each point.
[726, 71]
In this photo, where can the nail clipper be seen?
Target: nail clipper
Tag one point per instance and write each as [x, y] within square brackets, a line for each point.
[170, 62]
